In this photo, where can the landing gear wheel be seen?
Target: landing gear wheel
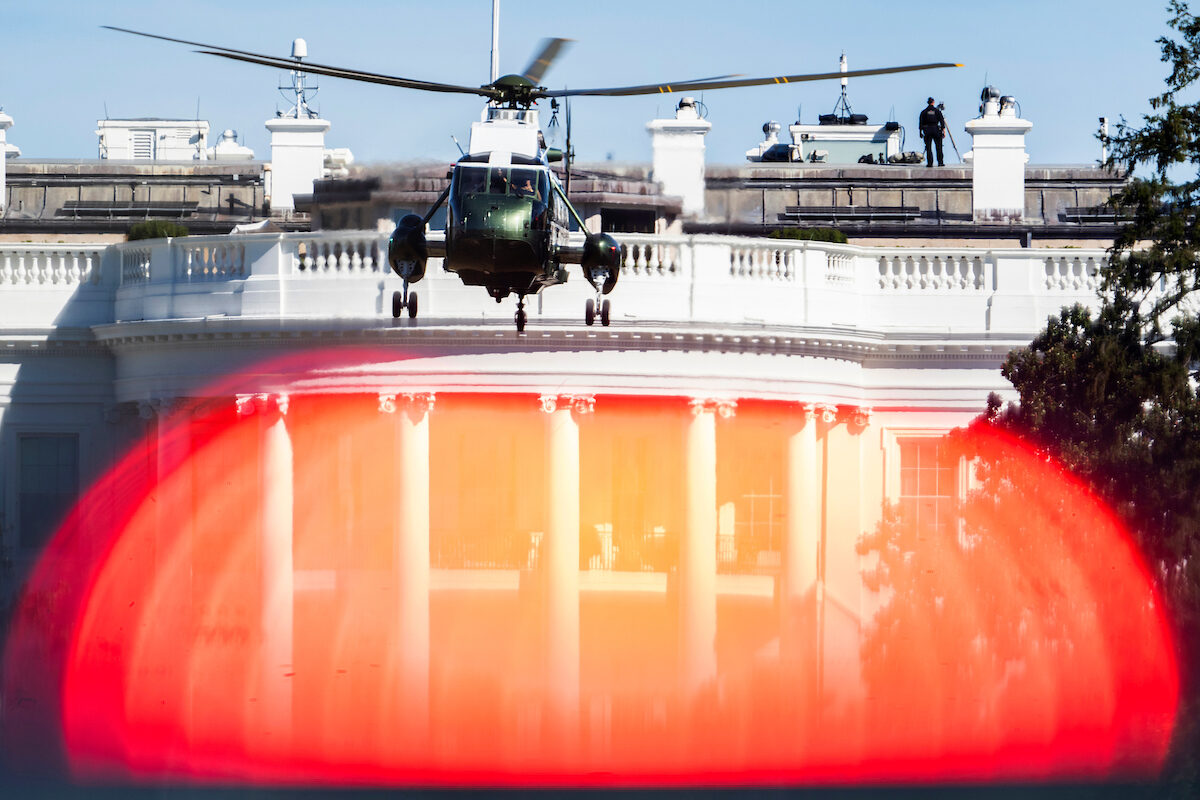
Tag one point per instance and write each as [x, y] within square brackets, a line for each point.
[412, 305]
[604, 309]
[520, 320]
[589, 312]
[397, 305]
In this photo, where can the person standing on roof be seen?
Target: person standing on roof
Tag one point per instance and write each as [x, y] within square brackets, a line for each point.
[933, 130]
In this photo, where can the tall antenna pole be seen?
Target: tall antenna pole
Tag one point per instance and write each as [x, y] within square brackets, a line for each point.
[495, 40]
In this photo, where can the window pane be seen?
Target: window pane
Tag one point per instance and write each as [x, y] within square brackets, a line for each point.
[946, 482]
[927, 482]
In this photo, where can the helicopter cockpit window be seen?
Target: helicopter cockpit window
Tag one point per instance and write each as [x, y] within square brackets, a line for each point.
[498, 181]
[505, 181]
[472, 181]
[525, 183]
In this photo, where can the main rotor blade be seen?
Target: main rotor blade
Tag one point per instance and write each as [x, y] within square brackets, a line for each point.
[354, 75]
[540, 64]
[703, 84]
[317, 69]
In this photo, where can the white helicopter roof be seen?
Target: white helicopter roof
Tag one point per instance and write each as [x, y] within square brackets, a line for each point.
[513, 130]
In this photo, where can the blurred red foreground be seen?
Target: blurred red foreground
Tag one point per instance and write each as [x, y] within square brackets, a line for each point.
[137, 653]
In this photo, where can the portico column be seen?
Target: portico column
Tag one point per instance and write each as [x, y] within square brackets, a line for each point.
[275, 568]
[559, 565]
[411, 559]
[174, 509]
[698, 547]
[173, 490]
[802, 535]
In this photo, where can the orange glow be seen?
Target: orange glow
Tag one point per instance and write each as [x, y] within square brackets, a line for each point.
[140, 650]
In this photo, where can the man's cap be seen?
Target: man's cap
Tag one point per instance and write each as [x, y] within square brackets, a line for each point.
[930, 100]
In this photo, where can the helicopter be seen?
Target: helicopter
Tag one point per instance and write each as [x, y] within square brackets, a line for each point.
[508, 214]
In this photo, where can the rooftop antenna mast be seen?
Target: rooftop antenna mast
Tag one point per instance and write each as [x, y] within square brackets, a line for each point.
[842, 109]
[299, 86]
[495, 40]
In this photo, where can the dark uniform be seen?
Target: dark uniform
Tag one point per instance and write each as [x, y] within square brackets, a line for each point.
[933, 127]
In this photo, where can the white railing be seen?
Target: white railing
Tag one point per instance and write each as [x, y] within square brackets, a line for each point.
[135, 265]
[1073, 273]
[318, 254]
[933, 272]
[210, 258]
[700, 280]
[49, 265]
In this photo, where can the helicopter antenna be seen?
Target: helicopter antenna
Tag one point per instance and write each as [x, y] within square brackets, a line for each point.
[495, 40]
[569, 154]
[456, 144]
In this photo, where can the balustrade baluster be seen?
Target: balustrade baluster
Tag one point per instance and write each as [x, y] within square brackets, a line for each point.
[654, 263]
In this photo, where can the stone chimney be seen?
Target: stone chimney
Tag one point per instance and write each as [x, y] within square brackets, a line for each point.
[679, 155]
[297, 157]
[998, 157]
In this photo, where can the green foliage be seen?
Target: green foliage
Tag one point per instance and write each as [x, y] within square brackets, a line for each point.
[1113, 395]
[812, 234]
[155, 229]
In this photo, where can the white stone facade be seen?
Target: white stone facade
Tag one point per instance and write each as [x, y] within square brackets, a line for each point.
[812, 362]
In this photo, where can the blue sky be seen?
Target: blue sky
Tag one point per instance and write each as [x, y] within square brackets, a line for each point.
[1068, 62]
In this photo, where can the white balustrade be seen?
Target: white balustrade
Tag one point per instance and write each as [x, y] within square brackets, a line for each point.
[49, 265]
[135, 265]
[211, 259]
[839, 269]
[1073, 273]
[933, 271]
[756, 261]
[337, 253]
[696, 280]
[649, 256]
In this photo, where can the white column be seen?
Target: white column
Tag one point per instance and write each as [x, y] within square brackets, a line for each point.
[5, 123]
[803, 530]
[559, 565]
[173, 497]
[798, 609]
[698, 547]
[411, 559]
[275, 568]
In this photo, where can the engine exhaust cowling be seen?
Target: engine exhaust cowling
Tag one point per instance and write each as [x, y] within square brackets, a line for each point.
[407, 249]
[601, 261]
